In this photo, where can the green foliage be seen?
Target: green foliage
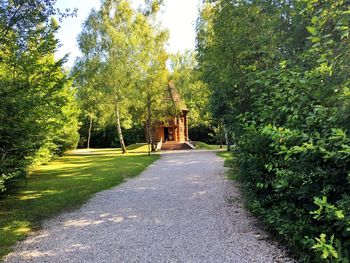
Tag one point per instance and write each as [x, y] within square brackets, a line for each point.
[326, 249]
[104, 136]
[37, 110]
[194, 93]
[201, 133]
[122, 74]
[278, 73]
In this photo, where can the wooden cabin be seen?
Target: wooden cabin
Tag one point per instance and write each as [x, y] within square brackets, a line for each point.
[172, 134]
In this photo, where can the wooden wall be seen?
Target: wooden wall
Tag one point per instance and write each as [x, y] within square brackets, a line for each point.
[177, 127]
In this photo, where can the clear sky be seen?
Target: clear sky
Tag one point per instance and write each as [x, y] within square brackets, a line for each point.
[178, 16]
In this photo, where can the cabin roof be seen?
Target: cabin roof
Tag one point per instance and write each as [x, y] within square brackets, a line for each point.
[175, 97]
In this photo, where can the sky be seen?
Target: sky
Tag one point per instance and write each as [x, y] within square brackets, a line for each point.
[178, 16]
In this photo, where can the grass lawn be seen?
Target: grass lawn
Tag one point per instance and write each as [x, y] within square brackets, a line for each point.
[204, 146]
[65, 184]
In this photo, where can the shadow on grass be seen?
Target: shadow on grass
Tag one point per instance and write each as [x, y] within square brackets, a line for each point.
[62, 185]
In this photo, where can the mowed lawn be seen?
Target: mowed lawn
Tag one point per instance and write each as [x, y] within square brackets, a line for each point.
[63, 185]
[204, 146]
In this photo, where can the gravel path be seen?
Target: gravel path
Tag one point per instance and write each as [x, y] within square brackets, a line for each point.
[181, 209]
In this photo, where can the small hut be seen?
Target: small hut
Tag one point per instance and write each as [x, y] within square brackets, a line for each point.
[172, 134]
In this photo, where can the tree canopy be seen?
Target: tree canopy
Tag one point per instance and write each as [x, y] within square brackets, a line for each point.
[194, 92]
[37, 111]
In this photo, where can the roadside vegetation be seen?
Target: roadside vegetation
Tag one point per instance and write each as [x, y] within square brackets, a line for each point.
[65, 184]
[38, 111]
[231, 173]
[278, 72]
[225, 154]
[205, 146]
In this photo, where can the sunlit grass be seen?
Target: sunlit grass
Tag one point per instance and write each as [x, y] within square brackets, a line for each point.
[204, 146]
[65, 184]
[225, 154]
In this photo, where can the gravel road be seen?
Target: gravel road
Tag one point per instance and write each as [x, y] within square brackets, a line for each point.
[181, 209]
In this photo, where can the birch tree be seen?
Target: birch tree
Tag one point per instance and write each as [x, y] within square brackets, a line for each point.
[109, 36]
[152, 72]
[89, 95]
[129, 48]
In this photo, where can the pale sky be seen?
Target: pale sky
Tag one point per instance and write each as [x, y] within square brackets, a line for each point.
[178, 16]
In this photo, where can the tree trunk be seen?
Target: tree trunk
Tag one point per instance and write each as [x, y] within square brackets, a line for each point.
[89, 135]
[220, 135]
[227, 140]
[148, 138]
[119, 130]
[149, 125]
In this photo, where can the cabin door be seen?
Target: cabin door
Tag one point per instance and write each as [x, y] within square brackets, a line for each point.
[166, 134]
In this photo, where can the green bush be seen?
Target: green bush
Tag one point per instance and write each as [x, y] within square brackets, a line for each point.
[279, 75]
[299, 185]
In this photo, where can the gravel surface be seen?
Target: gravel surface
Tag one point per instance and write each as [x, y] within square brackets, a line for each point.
[181, 209]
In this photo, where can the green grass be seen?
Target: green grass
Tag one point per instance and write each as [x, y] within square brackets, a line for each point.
[225, 154]
[63, 185]
[204, 146]
[232, 172]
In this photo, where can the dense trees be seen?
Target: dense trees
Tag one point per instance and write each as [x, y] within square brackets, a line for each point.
[195, 94]
[37, 110]
[123, 63]
[279, 76]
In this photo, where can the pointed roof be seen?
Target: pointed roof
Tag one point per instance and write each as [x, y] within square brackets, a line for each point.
[175, 97]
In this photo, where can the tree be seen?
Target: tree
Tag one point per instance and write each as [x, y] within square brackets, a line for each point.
[37, 99]
[88, 94]
[23, 17]
[108, 37]
[152, 78]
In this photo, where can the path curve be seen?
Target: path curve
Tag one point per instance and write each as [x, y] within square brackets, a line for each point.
[181, 209]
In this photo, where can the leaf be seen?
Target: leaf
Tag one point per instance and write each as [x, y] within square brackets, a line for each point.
[312, 30]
